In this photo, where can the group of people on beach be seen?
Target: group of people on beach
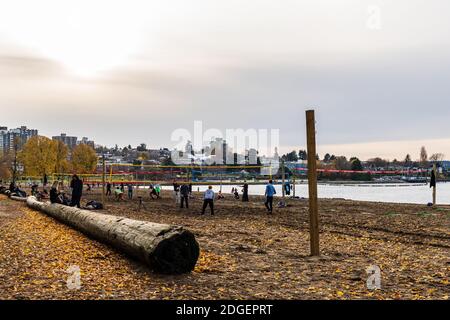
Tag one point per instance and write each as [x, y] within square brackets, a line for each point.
[12, 189]
[119, 191]
[235, 192]
[182, 192]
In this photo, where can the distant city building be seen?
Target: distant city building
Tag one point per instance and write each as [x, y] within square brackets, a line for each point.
[3, 138]
[72, 141]
[20, 135]
[85, 140]
[189, 149]
[251, 157]
[219, 152]
[69, 141]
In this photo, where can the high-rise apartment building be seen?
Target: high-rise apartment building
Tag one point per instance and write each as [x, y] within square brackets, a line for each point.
[12, 137]
[69, 141]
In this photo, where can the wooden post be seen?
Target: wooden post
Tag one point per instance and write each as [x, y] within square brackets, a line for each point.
[312, 183]
[270, 170]
[434, 187]
[283, 191]
[293, 185]
[103, 179]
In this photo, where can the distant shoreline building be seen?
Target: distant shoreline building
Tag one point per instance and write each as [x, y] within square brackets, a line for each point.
[21, 135]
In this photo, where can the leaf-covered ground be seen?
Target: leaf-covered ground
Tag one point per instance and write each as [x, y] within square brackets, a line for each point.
[246, 254]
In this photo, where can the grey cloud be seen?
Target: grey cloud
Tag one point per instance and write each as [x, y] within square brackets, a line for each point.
[18, 65]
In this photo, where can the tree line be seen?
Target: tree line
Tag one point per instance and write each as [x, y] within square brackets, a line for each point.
[332, 161]
[41, 156]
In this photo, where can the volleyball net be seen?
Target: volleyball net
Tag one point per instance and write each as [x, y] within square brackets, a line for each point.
[137, 174]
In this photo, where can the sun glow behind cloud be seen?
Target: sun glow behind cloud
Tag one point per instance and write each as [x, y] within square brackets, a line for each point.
[86, 37]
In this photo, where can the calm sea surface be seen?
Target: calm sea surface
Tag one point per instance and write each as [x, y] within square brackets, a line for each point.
[398, 193]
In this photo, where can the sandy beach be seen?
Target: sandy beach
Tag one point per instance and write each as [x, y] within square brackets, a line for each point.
[245, 253]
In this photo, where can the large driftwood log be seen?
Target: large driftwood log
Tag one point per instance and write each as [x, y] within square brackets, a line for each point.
[164, 248]
[16, 198]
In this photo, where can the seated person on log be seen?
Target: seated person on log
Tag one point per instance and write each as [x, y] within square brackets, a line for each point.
[16, 191]
[34, 189]
[44, 193]
[58, 197]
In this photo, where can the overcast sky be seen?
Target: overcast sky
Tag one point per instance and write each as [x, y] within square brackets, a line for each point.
[376, 72]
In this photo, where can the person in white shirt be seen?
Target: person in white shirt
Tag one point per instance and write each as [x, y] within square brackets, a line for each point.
[208, 199]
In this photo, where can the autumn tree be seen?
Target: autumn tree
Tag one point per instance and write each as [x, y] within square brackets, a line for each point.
[291, 156]
[84, 159]
[39, 156]
[5, 167]
[142, 147]
[356, 164]
[407, 161]
[14, 157]
[62, 151]
[341, 163]
[423, 157]
[302, 155]
[437, 157]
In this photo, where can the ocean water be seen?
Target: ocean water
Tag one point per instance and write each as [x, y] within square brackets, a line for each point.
[395, 193]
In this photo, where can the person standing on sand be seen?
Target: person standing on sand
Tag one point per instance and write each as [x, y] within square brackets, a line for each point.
[130, 191]
[270, 192]
[245, 192]
[208, 199]
[176, 191]
[184, 191]
[77, 191]
[108, 189]
[45, 180]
